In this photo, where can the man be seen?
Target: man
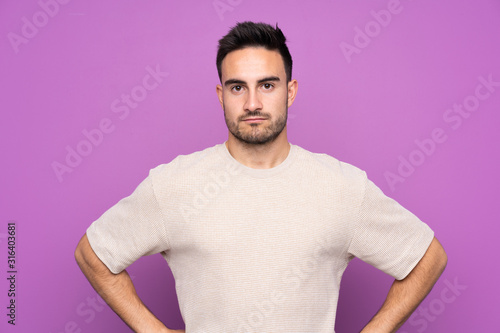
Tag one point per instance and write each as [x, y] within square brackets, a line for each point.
[258, 231]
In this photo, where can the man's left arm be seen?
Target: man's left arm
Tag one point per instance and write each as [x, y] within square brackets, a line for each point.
[405, 295]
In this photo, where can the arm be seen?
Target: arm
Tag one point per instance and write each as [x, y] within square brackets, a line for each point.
[405, 295]
[118, 291]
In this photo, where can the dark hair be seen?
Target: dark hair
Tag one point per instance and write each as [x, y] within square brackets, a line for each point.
[248, 34]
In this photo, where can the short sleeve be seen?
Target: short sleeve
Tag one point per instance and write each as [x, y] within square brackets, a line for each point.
[388, 236]
[132, 228]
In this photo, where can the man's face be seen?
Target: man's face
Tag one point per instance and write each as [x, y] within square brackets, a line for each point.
[255, 95]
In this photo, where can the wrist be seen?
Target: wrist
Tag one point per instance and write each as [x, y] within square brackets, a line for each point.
[377, 325]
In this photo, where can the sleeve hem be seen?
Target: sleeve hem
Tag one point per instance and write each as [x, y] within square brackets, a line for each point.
[94, 244]
[426, 239]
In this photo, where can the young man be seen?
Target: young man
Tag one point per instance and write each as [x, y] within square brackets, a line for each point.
[258, 231]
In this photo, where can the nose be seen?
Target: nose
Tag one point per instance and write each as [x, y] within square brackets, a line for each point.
[253, 101]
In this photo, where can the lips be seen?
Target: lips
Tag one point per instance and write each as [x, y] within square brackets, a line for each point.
[254, 119]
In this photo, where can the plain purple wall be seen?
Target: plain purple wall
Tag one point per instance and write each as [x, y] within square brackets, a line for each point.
[381, 84]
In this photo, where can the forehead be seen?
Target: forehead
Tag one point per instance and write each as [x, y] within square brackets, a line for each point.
[253, 62]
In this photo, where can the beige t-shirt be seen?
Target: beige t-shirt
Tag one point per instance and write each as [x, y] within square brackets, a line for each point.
[259, 250]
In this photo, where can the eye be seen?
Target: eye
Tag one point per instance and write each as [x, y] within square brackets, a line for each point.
[236, 88]
[267, 86]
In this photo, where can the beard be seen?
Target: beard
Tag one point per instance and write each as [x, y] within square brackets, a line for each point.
[258, 133]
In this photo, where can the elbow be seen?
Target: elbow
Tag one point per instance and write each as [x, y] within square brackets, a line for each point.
[441, 258]
[78, 255]
[80, 251]
[88, 261]
[444, 260]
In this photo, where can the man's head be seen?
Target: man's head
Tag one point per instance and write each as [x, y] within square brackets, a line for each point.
[256, 87]
[250, 34]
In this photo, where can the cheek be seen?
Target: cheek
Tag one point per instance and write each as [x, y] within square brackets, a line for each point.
[231, 107]
[277, 101]
[232, 102]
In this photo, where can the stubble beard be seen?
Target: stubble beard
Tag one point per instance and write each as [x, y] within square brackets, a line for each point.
[259, 133]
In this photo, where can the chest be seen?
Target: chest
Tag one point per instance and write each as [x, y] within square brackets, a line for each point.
[254, 221]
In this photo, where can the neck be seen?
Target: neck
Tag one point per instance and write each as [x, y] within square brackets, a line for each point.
[263, 156]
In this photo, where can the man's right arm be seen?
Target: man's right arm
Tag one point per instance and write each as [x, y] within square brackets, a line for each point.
[118, 291]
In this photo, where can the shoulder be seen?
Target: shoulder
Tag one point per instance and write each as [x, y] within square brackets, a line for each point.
[327, 164]
[187, 163]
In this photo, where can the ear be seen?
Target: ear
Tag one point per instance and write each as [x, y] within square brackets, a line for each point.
[293, 86]
[218, 89]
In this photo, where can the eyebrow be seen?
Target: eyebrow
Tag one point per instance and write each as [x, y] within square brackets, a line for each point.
[236, 81]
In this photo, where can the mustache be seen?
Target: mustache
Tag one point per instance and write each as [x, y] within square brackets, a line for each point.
[254, 114]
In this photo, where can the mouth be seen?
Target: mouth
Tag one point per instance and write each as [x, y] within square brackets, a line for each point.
[254, 120]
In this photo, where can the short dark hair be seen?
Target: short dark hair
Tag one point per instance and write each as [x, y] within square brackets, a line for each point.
[250, 34]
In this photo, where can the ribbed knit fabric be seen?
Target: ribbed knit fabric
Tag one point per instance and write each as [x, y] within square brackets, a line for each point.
[259, 250]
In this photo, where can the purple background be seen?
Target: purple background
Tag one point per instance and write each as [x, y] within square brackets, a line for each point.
[367, 109]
